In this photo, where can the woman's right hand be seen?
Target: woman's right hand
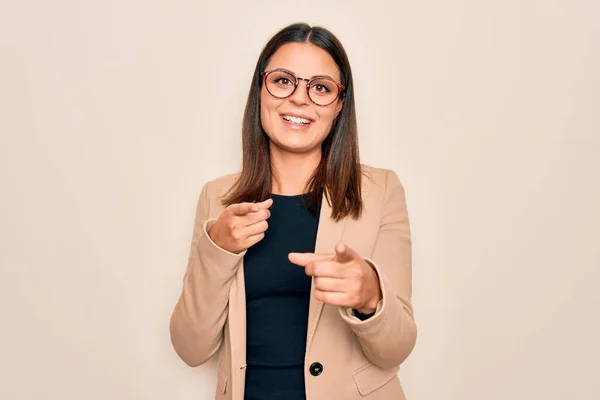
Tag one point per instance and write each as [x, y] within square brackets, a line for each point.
[240, 226]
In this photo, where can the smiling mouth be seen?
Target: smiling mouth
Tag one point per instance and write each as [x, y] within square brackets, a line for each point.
[296, 120]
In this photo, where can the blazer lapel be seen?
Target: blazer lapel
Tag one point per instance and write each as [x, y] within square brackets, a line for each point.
[329, 233]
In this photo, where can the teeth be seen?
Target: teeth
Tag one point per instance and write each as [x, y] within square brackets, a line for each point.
[296, 120]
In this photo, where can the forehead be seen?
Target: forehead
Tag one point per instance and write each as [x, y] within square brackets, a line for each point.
[305, 60]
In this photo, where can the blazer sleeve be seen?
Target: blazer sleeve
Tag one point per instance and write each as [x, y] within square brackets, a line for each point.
[389, 336]
[196, 325]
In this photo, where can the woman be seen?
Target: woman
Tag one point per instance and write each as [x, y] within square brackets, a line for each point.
[299, 274]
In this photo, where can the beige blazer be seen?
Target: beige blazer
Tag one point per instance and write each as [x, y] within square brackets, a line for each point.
[346, 358]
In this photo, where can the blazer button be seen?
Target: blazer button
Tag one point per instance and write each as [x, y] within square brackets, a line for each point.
[316, 369]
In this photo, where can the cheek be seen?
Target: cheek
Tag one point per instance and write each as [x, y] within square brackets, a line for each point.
[326, 117]
[267, 110]
[327, 114]
[268, 102]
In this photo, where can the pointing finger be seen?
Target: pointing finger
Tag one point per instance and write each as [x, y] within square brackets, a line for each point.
[242, 209]
[303, 259]
[265, 204]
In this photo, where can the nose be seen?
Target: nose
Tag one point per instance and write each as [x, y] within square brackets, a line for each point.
[300, 95]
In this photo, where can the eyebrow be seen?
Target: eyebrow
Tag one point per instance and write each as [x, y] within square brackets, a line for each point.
[312, 77]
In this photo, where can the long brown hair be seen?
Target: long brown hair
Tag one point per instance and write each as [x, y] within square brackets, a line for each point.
[338, 174]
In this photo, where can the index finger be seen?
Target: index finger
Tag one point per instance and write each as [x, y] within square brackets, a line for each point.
[266, 203]
[242, 209]
[303, 259]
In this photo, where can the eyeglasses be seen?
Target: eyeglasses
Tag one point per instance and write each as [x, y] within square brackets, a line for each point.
[281, 83]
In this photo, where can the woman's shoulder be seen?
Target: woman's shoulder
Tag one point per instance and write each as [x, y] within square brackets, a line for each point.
[377, 176]
[220, 185]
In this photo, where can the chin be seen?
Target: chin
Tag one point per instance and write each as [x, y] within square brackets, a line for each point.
[294, 144]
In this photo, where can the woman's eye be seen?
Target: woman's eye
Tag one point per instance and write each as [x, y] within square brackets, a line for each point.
[321, 88]
[283, 81]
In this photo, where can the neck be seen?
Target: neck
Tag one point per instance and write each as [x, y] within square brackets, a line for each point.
[291, 171]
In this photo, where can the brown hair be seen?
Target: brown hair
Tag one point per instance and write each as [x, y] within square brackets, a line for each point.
[338, 174]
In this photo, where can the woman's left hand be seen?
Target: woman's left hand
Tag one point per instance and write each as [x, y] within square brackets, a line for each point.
[342, 279]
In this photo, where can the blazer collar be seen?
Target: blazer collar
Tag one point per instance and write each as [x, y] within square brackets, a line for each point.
[329, 234]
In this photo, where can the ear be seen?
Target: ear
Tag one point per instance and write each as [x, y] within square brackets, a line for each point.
[338, 107]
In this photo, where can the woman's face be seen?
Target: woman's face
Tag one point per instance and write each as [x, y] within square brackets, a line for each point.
[293, 135]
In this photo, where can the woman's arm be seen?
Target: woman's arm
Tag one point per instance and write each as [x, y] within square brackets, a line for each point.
[200, 314]
[389, 336]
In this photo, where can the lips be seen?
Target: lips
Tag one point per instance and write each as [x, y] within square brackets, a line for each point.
[296, 119]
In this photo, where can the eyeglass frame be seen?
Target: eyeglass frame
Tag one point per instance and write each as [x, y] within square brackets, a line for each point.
[341, 88]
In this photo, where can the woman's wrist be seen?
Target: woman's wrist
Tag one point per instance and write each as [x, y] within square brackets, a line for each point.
[370, 306]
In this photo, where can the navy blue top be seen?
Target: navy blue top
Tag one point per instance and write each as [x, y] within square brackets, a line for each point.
[277, 302]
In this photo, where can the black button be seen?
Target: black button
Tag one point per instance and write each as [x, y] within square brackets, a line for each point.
[316, 369]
